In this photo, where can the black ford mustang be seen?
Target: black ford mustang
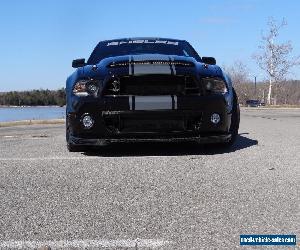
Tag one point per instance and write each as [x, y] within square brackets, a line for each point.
[140, 89]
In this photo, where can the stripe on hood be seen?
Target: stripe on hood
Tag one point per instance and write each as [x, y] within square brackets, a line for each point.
[143, 69]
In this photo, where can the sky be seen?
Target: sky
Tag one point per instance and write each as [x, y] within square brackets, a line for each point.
[39, 39]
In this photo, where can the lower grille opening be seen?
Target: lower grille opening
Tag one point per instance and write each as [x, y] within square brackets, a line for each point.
[152, 123]
[145, 125]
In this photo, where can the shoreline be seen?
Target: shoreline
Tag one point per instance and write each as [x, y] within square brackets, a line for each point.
[31, 122]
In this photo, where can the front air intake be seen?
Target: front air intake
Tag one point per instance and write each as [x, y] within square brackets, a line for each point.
[152, 85]
[151, 62]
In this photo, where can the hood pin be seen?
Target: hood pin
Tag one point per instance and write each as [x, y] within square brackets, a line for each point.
[94, 67]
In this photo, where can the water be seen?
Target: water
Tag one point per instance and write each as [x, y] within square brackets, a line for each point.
[31, 113]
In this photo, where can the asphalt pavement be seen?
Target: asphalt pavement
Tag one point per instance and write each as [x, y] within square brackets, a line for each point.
[150, 195]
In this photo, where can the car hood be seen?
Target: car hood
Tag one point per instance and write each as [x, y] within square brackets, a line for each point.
[152, 64]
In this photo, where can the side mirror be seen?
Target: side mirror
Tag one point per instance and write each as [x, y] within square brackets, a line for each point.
[209, 60]
[78, 63]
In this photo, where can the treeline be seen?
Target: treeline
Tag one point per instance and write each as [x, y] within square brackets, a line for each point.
[33, 98]
[284, 93]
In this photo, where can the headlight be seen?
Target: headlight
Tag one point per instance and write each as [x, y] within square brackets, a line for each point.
[215, 85]
[86, 87]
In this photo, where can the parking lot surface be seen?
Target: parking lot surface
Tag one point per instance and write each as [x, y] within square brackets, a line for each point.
[150, 195]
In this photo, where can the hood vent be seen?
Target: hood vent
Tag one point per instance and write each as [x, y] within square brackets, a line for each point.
[151, 62]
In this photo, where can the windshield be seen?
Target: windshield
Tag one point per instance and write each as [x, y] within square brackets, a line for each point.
[149, 46]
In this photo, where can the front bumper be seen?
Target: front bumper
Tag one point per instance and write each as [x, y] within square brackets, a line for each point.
[198, 139]
[117, 121]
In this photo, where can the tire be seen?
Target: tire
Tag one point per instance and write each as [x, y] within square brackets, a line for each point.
[235, 122]
[70, 146]
[75, 148]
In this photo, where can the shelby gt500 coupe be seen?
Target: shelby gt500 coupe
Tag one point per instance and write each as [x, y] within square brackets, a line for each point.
[141, 89]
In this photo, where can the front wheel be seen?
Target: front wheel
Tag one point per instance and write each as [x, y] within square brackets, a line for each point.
[235, 121]
[70, 146]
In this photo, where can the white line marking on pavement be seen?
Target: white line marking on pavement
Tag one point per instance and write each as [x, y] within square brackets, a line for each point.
[10, 138]
[49, 158]
[91, 157]
[81, 244]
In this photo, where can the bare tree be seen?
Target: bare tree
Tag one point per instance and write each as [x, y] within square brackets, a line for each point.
[238, 72]
[274, 58]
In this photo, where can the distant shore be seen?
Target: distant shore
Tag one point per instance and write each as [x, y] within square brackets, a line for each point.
[30, 113]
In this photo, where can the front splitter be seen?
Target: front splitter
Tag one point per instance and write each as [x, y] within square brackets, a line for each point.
[99, 142]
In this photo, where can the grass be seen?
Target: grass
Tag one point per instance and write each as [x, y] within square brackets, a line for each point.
[31, 122]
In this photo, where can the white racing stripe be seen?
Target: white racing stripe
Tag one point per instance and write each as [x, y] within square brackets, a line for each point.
[151, 57]
[82, 244]
[130, 66]
[153, 102]
[140, 69]
[130, 102]
[173, 66]
[175, 101]
[161, 102]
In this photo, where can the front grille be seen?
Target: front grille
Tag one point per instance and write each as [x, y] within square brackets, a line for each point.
[153, 85]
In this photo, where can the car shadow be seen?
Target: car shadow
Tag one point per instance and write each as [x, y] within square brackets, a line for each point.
[168, 148]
